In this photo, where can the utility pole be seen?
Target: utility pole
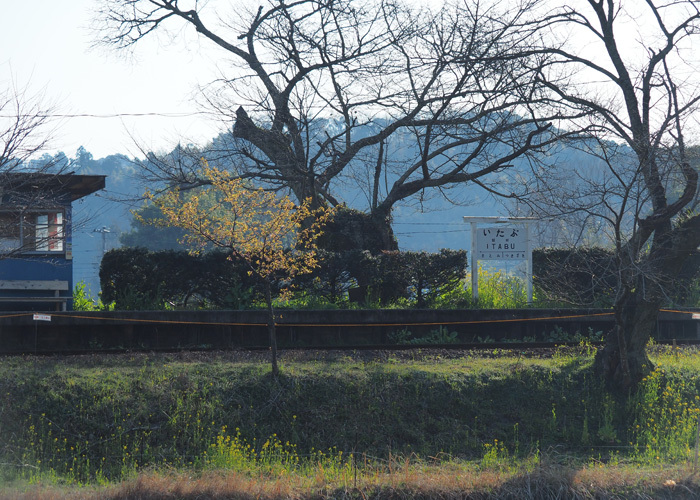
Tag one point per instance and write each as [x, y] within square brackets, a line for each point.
[104, 232]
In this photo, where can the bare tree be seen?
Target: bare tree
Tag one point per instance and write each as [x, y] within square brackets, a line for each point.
[631, 65]
[328, 91]
[27, 182]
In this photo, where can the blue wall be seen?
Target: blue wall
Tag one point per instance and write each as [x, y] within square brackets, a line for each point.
[41, 267]
[36, 267]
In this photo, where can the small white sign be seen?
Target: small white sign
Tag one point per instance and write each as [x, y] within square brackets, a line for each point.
[696, 316]
[42, 317]
[501, 243]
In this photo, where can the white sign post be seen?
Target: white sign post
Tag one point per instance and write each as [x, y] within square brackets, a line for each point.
[37, 318]
[510, 240]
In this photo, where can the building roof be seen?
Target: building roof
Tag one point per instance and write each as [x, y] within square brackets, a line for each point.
[16, 186]
[81, 185]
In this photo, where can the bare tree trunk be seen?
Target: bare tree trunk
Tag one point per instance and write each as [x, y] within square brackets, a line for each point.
[623, 362]
[383, 232]
[271, 329]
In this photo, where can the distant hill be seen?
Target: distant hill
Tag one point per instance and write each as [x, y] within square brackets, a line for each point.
[100, 218]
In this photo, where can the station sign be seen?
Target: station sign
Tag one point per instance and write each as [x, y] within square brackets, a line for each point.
[501, 243]
[508, 240]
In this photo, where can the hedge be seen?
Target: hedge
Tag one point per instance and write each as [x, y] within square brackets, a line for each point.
[136, 278]
[588, 276]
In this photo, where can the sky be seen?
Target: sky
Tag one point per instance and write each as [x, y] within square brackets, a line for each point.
[112, 103]
[48, 46]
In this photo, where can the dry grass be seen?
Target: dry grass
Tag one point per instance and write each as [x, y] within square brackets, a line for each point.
[408, 482]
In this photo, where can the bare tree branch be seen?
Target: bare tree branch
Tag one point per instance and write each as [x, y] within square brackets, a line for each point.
[320, 87]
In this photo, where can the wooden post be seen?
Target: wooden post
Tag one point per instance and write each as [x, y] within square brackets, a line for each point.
[697, 447]
[475, 266]
[528, 269]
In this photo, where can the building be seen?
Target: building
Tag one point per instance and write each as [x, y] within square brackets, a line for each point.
[36, 250]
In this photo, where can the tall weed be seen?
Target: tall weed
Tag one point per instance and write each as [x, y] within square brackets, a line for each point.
[83, 301]
[102, 419]
[665, 412]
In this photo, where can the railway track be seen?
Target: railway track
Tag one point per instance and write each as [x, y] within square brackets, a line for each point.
[494, 347]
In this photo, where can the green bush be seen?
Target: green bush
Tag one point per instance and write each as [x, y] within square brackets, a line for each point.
[588, 277]
[351, 229]
[135, 278]
[83, 302]
[581, 276]
[419, 279]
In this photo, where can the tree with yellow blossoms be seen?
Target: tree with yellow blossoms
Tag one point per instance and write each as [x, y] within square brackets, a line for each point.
[271, 234]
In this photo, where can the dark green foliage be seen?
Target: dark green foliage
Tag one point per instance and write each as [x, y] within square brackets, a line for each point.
[432, 275]
[332, 279]
[138, 279]
[387, 277]
[354, 230]
[581, 276]
[588, 276]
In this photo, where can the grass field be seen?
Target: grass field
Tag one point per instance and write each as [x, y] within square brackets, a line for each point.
[415, 424]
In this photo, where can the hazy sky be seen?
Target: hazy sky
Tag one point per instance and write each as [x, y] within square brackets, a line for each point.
[46, 44]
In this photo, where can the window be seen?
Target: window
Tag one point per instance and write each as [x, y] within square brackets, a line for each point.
[10, 232]
[32, 232]
[48, 232]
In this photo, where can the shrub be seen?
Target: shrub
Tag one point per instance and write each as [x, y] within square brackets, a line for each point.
[83, 302]
[135, 278]
[581, 276]
[417, 278]
[350, 229]
[588, 277]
